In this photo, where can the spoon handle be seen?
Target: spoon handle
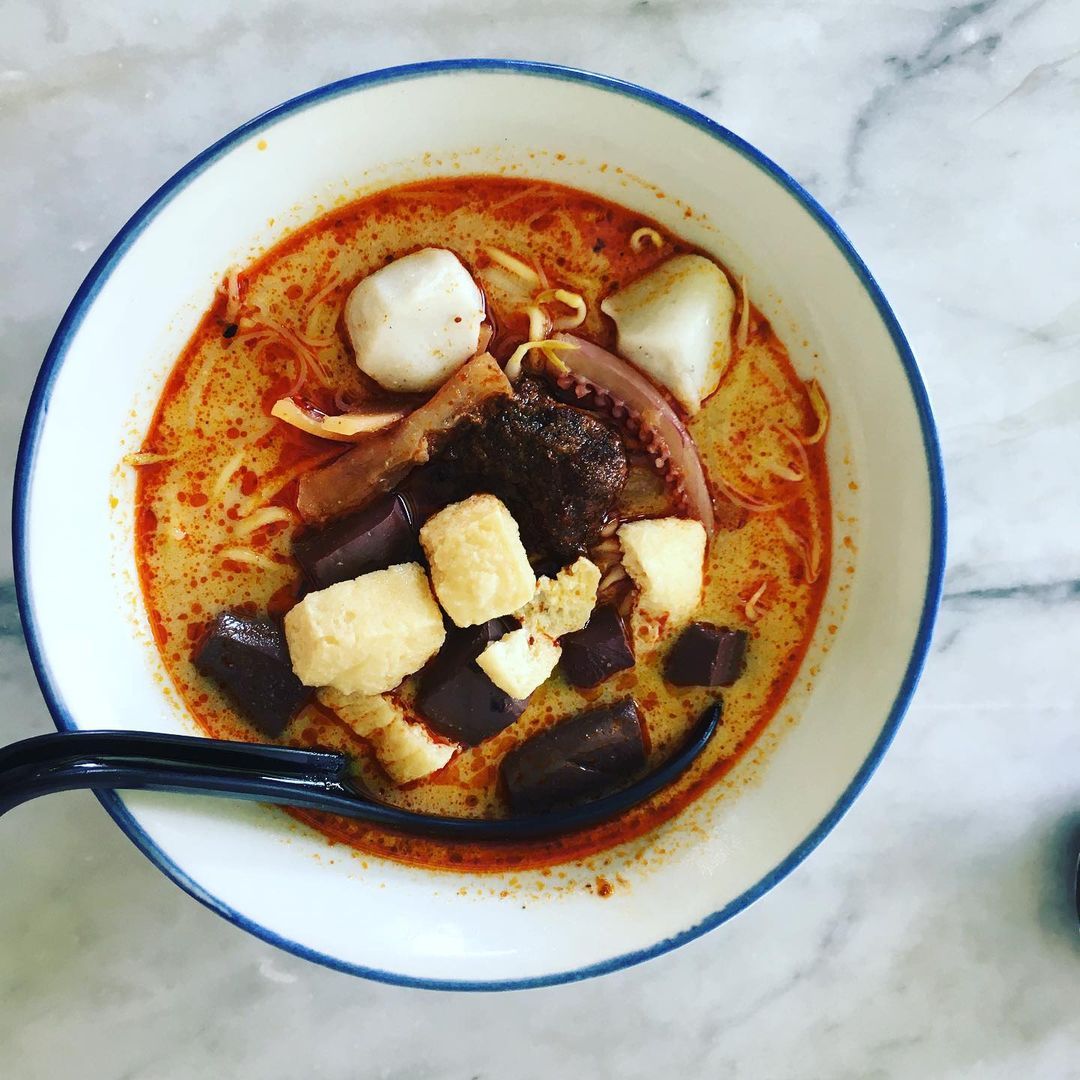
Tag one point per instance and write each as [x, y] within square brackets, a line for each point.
[149, 761]
[311, 779]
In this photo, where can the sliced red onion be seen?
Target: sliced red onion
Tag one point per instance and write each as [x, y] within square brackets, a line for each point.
[627, 386]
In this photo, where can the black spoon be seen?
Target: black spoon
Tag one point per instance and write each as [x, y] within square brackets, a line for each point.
[312, 779]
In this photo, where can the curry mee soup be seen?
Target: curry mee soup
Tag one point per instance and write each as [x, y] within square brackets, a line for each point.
[494, 486]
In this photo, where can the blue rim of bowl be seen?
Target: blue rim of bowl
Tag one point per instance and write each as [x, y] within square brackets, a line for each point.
[85, 295]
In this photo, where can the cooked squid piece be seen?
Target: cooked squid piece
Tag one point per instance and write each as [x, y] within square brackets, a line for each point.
[378, 463]
[619, 390]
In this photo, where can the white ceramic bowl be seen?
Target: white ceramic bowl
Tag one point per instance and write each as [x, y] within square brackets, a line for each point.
[87, 631]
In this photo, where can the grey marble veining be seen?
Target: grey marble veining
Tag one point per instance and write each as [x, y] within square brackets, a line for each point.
[930, 935]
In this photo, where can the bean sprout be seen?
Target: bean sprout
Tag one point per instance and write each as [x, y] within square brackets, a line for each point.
[802, 461]
[809, 551]
[145, 457]
[821, 411]
[785, 472]
[755, 504]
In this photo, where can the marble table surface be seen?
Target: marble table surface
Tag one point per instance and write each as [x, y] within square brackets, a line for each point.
[931, 934]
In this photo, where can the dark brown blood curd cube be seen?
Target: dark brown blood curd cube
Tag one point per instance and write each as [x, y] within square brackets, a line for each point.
[707, 655]
[430, 488]
[373, 539]
[249, 659]
[582, 758]
[456, 698]
[602, 648]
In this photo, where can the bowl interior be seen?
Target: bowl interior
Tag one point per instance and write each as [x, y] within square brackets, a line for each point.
[88, 631]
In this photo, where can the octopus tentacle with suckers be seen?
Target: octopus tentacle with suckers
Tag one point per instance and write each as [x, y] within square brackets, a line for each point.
[634, 426]
[588, 372]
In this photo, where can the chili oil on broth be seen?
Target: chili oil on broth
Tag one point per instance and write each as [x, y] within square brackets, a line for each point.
[216, 492]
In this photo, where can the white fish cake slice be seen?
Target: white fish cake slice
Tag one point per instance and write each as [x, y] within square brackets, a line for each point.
[675, 324]
[415, 321]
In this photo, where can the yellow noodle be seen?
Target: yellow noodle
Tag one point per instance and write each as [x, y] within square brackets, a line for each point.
[570, 300]
[513, 365]
[144, 457]
[639, 236]
[250, 558]
[513, 264]
[539, 323]
[227, 472]
[268, 515]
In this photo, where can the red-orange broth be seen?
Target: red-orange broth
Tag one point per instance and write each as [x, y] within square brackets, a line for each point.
[213, 455]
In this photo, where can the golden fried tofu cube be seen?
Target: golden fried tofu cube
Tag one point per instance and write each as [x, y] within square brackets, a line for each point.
[406, 751]
[366, 714]
[520, 661]
[478, 565]
[665, 559]
[364, 636]
[563, 604]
